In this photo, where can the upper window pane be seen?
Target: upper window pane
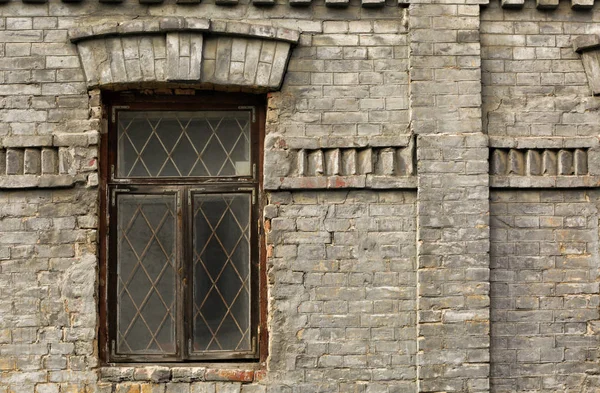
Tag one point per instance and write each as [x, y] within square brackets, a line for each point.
[183, 144]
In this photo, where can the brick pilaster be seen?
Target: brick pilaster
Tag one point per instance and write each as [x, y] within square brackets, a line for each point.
[453, 204]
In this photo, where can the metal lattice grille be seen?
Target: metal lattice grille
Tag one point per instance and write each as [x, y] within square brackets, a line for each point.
[146, 286]
[183, 144]
[221, 272]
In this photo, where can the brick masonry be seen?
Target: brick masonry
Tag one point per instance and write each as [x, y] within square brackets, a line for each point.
[544, 312]
[431, 175]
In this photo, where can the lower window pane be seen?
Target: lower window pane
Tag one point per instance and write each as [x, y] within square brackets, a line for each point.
[146, 238]
[221, 272]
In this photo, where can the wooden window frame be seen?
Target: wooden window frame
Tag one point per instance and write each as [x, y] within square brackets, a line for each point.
[109, 185]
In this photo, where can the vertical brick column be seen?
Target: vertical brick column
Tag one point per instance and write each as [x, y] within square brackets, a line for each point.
[453, 204]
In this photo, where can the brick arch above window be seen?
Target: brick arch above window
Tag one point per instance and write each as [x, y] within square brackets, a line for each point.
[184, 50]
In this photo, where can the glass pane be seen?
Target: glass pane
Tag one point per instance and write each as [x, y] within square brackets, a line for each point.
[183, 143]
[146, 233]
[222, 272]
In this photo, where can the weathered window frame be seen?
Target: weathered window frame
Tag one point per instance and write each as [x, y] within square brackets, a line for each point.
[109, 185]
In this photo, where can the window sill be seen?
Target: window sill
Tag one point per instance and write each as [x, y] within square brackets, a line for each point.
[163, 373]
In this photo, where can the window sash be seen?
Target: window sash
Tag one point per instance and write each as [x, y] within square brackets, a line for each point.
[184, 308]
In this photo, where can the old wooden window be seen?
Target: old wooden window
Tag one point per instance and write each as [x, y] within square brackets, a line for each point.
[180, 273]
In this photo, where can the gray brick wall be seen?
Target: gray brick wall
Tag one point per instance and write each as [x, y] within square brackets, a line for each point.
[534, 83]
[544, 286]
[47, 263]
[343, 276]
[391, 268]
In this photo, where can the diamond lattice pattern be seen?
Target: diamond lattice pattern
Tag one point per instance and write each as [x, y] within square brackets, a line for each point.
[221, 272]
[182, 144]
[146, 274]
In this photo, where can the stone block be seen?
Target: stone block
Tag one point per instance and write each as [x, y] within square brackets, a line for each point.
[365, 161]
[301, 161]
[565, 162]
[390, 182]
[203, 387]
[349, 162]
[385, 162]
[499, 162]
[229, 375]
[309, 182]
[32, 162]
[337, 3]
[582, 4]
[117, 374]
[533, 163]
[254, 389]
[372, 3]
[92, 72]
[49, 161]
[356, 181]
[591, 65]
[289, 35]
[152, 374]
[404, 161]
[315, 162]
[593, 161]
[332, 162]
[47, 388]
[178, 388]
[200, 24]
[27, 141]
[549, 162]
[131, 26]
[512, 3]
[2, 162]
[14, 161]
[228, 387]
[516, 162]
[580, 162]
[92, 180]
[147, 60]
[546, 4]
[280, 59]
[184, 56]
[278, 163]
[300, 3]
[171, 23]
[65, 161]
[586, 42]
[56, 181]
[188, 374]
[115, 53]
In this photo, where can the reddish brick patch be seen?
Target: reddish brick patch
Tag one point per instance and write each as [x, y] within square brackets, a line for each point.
[229, 375]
